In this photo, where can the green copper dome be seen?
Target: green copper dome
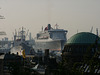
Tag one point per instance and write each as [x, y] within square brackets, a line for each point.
[83, 38]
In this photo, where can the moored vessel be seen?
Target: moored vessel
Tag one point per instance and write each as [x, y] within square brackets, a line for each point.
[51, 38]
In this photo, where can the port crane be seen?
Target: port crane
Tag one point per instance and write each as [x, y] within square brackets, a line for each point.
[2, 17]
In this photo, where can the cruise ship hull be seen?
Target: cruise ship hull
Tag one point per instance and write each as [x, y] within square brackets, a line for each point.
[48, 44]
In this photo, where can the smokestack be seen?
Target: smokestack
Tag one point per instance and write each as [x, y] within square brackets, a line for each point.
[49, 26]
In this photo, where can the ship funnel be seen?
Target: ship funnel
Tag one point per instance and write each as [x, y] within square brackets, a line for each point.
[49, 26]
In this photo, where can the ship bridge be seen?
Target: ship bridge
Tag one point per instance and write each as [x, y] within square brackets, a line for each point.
[58, 34]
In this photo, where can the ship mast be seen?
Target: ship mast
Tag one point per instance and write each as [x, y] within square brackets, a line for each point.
[22, 35]
[56, 26]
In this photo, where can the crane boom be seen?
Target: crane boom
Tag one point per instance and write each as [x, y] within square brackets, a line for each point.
[2, 33]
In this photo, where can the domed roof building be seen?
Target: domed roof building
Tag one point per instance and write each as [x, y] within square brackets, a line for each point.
[83, 38]
[81, 43]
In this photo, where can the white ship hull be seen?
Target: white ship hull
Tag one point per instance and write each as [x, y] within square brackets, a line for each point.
[48, 44]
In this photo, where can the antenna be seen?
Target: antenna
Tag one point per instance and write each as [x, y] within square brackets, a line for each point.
[91, 29]
[42, 28]
[56, 26]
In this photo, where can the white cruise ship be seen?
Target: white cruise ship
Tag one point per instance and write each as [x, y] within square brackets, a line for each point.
[49, 38]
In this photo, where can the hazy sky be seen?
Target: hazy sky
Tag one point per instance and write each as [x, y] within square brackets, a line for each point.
[71, 15]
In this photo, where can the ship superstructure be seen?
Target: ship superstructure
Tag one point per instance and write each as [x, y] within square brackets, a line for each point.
[19, 37]
[50, 38]
[20, 43]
